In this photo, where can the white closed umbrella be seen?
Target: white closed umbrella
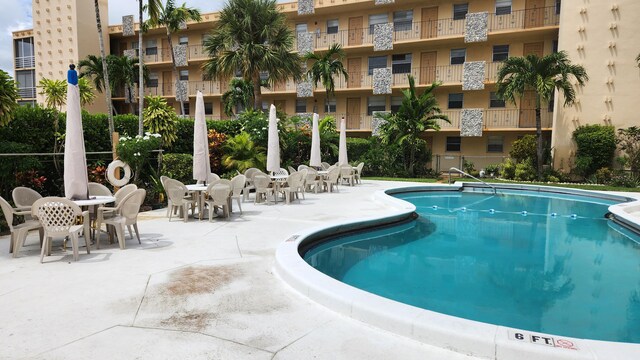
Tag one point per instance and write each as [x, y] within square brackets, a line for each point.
[201, 164]
[76, 180]
[273, 145]
[342, 149]
[315, 159]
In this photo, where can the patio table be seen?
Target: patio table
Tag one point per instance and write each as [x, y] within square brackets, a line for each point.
[278, 180]
[201, 189]
[93, 202]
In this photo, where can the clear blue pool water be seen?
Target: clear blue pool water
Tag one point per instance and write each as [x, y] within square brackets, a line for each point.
[574, 274]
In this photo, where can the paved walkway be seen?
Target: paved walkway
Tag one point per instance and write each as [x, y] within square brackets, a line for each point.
[195, 290]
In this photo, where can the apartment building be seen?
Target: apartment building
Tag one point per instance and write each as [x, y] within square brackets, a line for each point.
[459, 44]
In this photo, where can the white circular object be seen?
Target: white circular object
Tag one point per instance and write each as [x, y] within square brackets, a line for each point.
[111, 173]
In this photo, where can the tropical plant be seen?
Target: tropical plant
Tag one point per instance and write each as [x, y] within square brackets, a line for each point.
[8, 98]
[160, 118]
[628, 141]
[216, 141]
[153, 7]
[135, 151]
[325, 67]
[240, 93]
[86, 92]
[172, 18]
[524, 149]
[596, 146]
[54, 91]
[250, 37]
[328, 137]
[543, 76]
[241, 153]
[416, 114]
[124, 74]
[105, 74]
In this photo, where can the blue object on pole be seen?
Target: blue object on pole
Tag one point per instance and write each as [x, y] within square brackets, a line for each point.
[72, 75]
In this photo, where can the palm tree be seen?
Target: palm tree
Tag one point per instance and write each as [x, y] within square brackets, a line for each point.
[252, 36]
[160, 118]
[417, 113]
[326, 66]
[638, 60]
[153, 6]
[105, 74]
[242, 153]
[55, 92]
[8, 98]
[124, 74]
[543, 76]
[86, 92]
[240, 93]
[173, 18]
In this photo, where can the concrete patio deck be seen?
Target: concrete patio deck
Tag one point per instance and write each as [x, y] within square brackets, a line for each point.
[195, 290]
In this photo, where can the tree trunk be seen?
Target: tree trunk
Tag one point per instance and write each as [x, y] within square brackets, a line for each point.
[132, 99]
[175, 69]
[105, 71]
[539, 137]
[257, 91]
[141, 72]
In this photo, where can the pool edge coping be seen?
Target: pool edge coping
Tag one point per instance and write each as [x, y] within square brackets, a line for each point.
[464, 336]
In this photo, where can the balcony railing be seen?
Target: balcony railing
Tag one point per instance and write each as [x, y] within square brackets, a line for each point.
[27, 93]
[25, 62]
[524, 19]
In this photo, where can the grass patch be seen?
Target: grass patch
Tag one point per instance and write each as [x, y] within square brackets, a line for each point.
[571, 186]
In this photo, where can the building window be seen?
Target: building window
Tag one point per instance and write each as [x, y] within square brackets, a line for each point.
[265, 106]
[134, 46]
[495, 101]
[500, 52]
[396, 101]
[301, 105]
[377, 19]
[551, 104]
[555, 46]
[401, 63]
[153, 80]
[301, 28]
[152, 47]
[456, 100]
[208, 108]
[332, 26]
[184, 74]
[29, 103]
[495, 144]
[503, 7]
[458, 56]
[558, 4]
[24, 47]
[377, 62]
[402, 20]
[376, 103]
[453, 143]
[330, 106]
[26, 83]
[186, 109]
[460, 11]
[184, 40]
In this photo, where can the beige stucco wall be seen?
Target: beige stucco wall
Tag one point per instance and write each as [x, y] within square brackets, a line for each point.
[604, 40]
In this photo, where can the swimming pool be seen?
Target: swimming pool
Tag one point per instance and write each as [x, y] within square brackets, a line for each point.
[542, 262]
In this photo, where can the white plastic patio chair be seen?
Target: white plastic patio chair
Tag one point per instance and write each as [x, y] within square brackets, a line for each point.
[127, 215]
[358, 173]
[180, 198]
[312, 181]
[325, 165]
[237, 186]
[302, 166]
[347, 174]
[97, 189]
[291, 169]
[18, 232]
[294, 187]
[261, 183]
[24, 197]
[58, 217]
[218, 196]
[331, 180]
[249, 185]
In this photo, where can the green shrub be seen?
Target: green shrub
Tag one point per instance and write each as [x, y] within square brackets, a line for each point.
[628, 141]
[596, 147]
[136, 151]
[178, 166]
[12, 165]
[508, 170]
[468, 167]
[160, 118]
[525, 171]
[357, 148]
[256, 124]
[492, 169]
[604, 175]
[241, 153]
[553, 179]
[524, 148]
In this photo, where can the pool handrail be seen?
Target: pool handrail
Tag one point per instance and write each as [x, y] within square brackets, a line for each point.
[495, 192]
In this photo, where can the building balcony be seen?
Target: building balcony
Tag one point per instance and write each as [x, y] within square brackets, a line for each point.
[27, 93]
[25, 62]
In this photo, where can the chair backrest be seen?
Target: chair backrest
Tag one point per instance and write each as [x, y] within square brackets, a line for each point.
[331, 167]
[221, 182]
[175, 190]
[237, 184]
[359, 168]
[219, 193]
[250, 172]
[303, 176]
[291, 169]
[325, 165]
[163, 178]
[124, 191]
[7, 210]
[346, 170]
[212, 177]
[24, 196]
[302, 166]
[261, 181]
[56, 214]
[333, 174]
[130, 205]
[311, 175]
[97, 189]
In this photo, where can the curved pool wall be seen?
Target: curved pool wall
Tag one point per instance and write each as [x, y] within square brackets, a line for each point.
[461, 335]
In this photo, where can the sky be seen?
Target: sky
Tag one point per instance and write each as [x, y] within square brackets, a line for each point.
[16, 15]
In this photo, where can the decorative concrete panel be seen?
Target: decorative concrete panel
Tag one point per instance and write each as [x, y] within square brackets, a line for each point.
[131, 53]
[383, 37]
[306, 7]
[304, 89]
[305, 42]
[182, 93]
[180, 53]
[376, 123]
[127, 26]
[305, 118]
[382, 81]
[476, 25]
[473, 74]
[471, 122]
[182, 25]
[384, 2]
